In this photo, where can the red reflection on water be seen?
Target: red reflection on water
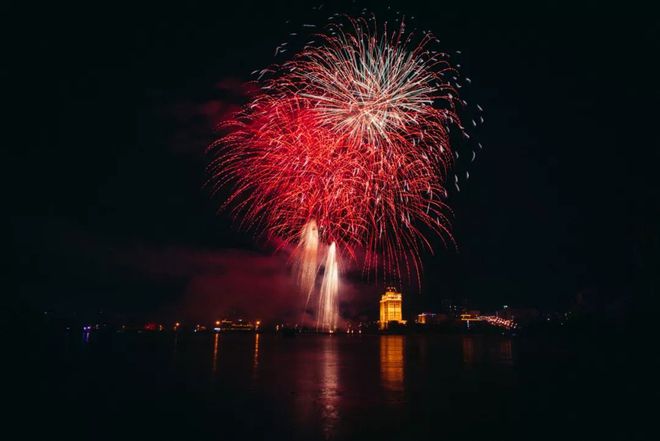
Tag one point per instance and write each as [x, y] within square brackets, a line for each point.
[329, 392]
[315, 378]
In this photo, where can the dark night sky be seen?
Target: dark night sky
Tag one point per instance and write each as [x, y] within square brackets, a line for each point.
[115, 106]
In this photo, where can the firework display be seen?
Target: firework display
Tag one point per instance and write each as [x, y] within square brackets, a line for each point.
[346, 149]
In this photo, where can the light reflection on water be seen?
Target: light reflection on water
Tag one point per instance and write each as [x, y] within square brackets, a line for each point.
[214, 367]
[329, 392]
[504, 353]
[319, 377]
[391, 364]
[476, 350]
[319, 387]
[255, 357]
[469, 354]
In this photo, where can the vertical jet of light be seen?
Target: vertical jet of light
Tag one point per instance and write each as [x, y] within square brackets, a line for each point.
[328, 308]
[306, 263]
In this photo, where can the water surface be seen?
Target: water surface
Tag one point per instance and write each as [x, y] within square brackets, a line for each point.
[317, 387]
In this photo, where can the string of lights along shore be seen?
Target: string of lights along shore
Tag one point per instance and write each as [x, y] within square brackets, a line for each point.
[346, 152]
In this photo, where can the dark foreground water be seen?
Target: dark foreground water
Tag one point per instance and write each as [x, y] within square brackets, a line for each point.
[312, 387]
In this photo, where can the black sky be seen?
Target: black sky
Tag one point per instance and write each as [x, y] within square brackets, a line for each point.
[113, 108]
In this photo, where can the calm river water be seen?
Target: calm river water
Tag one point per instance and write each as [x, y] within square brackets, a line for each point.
[315, 387]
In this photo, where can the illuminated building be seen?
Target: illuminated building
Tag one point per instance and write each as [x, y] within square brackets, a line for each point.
[390, 308]
[425, 318]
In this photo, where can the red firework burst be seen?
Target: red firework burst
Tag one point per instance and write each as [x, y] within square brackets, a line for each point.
[352, 133]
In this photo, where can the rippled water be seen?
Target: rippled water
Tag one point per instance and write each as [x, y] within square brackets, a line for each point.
[247, 386]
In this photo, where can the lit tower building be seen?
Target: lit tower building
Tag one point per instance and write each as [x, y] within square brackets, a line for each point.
[390, 308]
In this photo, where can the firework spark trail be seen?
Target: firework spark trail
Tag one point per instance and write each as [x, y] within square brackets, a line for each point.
[288, 172]
[351, 135]
[391, 104]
